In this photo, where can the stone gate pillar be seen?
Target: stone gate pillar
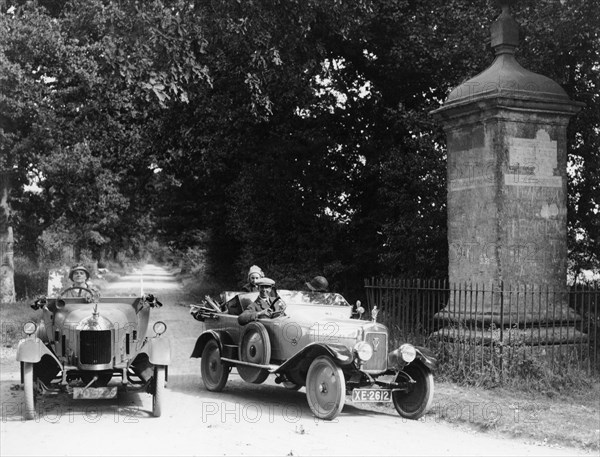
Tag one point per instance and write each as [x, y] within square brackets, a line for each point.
[507, 172]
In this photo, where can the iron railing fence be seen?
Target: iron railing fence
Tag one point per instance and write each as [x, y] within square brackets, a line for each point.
[494, 326]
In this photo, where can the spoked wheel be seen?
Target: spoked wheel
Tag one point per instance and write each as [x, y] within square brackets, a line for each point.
[255, 347]
[415, 402]
[214, 371]
[28, 390]
[325, 388]
[159, 390]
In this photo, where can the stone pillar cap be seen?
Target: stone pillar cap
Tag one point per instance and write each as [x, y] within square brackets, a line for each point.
[506, 77]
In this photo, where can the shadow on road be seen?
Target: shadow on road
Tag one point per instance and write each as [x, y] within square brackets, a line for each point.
[240, 395]
[53, 408]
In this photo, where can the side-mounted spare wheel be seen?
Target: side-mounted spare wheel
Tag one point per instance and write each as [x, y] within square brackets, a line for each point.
[254, 347]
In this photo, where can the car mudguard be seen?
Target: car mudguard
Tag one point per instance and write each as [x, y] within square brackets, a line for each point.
[31, 350]
[220, 336]
[339, 353]
[426, 356]
[159, 351]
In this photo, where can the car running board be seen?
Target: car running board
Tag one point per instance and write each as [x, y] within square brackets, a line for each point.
[269, 367]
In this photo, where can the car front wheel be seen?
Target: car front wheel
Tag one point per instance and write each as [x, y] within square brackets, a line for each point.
[415, 402]
[214, 371]
[28, 390]
[159, 390]
[325, 388]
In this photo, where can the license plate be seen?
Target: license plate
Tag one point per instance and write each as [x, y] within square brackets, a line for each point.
[94, 392]
[371, 395]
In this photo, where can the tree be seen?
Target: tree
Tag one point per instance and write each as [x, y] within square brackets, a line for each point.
[21, 97]
[7, 285]
[562, 41]
[250, 129]
[90, 76]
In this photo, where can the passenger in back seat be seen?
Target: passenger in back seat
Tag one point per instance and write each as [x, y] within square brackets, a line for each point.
[254, 274]
[317, 284]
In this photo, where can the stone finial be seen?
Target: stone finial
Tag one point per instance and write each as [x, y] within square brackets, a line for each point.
[506, 78]
[505, 30]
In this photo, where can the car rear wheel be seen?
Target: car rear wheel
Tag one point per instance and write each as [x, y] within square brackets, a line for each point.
[255, 347]
[415, 402]
[325, 388]
[214, 371]
[28, 390]
[159, 390]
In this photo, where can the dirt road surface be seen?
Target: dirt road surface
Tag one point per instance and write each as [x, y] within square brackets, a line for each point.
[244, 419]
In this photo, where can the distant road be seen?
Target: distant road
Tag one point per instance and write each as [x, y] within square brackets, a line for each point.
[151, 278]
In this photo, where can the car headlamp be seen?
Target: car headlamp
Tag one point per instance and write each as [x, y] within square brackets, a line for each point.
[363, 350]
[408, 352]
[29, 328]
[159, 327]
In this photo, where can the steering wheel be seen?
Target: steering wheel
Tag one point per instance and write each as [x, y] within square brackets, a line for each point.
[91, 293]
[275, 314]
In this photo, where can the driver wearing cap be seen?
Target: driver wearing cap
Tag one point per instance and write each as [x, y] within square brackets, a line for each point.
[80, 287]
[265, 305]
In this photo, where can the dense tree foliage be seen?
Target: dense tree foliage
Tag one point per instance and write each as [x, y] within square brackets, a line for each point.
[292, 134]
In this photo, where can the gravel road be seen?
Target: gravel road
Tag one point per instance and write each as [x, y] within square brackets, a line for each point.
[244, 419]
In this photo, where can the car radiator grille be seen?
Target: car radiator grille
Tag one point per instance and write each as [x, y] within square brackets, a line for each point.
[95, 347]
[379, 360]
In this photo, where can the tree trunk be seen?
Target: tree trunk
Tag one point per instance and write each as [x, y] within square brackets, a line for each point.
[7, 266]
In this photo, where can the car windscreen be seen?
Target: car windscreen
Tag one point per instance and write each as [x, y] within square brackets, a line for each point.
[300, 297]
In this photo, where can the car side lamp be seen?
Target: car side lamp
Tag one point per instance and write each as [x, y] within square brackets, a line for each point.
[402, 356]
[408, 352]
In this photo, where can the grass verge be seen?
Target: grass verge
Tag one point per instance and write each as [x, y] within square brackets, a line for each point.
[569, 419]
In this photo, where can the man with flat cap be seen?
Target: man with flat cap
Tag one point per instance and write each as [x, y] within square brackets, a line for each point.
[265, 305]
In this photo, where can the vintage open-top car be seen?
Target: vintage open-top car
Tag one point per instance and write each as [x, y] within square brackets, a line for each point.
[316, 344]
[83, 342]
